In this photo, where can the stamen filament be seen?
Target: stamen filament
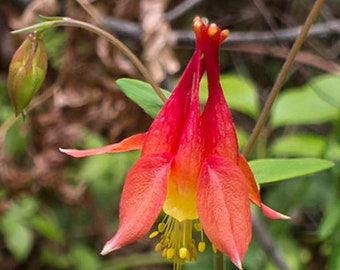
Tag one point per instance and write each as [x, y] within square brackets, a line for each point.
[176, 240]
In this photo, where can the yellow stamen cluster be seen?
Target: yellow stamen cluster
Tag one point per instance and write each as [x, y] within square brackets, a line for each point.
[177, 244]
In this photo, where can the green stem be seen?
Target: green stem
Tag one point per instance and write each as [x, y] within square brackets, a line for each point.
[219, 265]
[282, 76]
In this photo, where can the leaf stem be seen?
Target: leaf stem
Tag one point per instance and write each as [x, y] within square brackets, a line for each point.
[282, 76]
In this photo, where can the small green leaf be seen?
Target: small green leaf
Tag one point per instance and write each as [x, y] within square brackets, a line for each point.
[242, 137]
[18, 238]
[272, 170]
[83, 257]
[17, 232]
[47, 227]
[327, 88]
[142, 94]
[331, 221]
[240, 93]
[315, 103]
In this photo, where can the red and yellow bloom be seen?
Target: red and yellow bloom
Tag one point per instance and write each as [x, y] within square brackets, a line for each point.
[190, 167]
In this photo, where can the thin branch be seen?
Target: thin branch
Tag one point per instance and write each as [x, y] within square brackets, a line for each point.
[282, 76]
[181, 9]
[95, 15]
[266, 14]
[268, 244]
[264, 237]
[305, 58]
[259, 228]
[183, 37]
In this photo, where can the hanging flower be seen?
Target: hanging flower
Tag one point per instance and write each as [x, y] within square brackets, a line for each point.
[190, 167]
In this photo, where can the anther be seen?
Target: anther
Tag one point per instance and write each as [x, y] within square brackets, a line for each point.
[170, 253]
[213, 29]
[183, 253]
[198, 227]
[158, 247]
[165, 240]
[153, 234]
[161, 227]
[197, 25]
[224, 34]
[214, 248]
[201, 246]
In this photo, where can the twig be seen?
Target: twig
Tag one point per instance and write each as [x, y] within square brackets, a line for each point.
[182, 37]
[268, 244]
[282, 76]
[305, 58]
[95, 15]
[181, 9]
[266, 14]
[265, 238]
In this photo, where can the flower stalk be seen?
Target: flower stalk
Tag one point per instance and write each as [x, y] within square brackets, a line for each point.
[64, 21]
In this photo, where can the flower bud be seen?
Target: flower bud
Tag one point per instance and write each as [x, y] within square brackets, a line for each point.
[27, 71]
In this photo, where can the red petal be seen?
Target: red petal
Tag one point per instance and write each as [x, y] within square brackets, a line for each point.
[253, 191]
[142, 199]
[223, 207]
[217, 123]
[268, 212]
[166, 129]
[131, 143]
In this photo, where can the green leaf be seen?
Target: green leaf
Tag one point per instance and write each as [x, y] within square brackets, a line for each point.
[334, 258]
[331, 221]
[302, 144]
[18, 238]
[22, 209]
[315, 103]
[46, 226]
[142, 94]
[272, 170]
[242, 137]
[240, 93]
[13, 224]
[327, 88]
[83, 257]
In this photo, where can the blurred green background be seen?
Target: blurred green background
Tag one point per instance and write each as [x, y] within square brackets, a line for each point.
[56, 212]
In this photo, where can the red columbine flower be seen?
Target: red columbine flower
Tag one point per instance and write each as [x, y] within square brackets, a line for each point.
[190, 167]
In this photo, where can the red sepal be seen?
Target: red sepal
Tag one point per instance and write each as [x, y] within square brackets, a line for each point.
[223, 207]
[142, 199]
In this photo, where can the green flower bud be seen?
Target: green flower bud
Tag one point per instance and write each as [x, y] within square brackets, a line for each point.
[27, 72]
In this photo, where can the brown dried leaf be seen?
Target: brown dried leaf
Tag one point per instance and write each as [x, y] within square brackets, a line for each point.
[157, 53]
[35, 8]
